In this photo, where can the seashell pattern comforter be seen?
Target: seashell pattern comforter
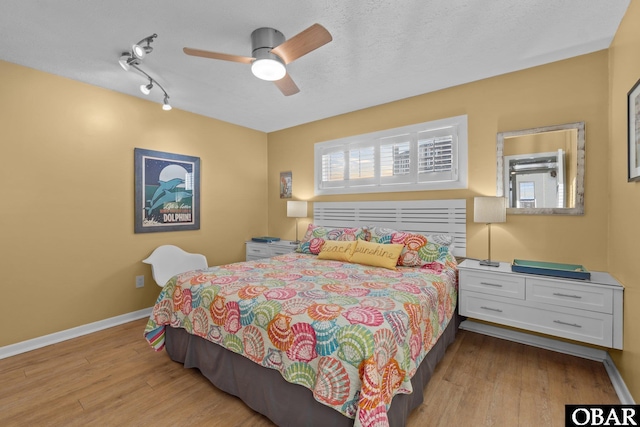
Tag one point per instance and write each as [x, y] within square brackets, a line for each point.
[352, 334]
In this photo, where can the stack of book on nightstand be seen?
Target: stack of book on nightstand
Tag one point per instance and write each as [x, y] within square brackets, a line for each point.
[265, 239]
[571, 271]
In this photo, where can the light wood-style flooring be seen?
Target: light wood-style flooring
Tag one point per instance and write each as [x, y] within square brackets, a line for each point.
[113, 378]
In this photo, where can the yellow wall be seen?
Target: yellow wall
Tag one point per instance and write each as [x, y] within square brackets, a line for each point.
[562, 92]
[624, 199]
[69, 255]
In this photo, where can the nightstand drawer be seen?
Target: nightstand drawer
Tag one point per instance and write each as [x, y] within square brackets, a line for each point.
[570, 295]
[282, 250]
[580, 325]
[260, 250]
[492, 283]
[257, 251]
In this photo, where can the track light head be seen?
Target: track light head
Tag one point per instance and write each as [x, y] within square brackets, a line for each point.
[139, 50]
[146, 89]
[165, 105]
[126, 60]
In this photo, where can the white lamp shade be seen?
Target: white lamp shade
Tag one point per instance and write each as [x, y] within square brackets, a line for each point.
[296, 209]
[489, 210]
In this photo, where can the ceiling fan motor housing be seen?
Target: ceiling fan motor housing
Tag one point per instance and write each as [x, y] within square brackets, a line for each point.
[263, 40]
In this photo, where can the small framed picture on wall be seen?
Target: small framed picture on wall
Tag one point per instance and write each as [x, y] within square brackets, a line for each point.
[633, 106]
[285, 185]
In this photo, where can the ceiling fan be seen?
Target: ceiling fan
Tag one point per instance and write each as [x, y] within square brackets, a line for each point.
[271, 52]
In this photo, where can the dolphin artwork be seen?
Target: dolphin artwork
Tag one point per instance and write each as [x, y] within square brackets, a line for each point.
[164, 187]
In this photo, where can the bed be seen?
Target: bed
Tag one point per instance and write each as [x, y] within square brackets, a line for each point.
[309, 338]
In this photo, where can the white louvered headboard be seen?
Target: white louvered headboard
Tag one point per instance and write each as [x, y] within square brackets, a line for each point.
[419, 216]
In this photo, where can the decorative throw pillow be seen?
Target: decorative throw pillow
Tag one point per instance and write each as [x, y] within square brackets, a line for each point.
[418, 249]
[375, 233]
[337, 250]
[376, 254]
[316, 235]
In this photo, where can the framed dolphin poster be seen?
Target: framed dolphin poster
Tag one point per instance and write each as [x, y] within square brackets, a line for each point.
[167, 188]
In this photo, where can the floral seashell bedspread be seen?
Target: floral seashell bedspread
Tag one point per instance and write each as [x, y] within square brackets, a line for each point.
[352, 334]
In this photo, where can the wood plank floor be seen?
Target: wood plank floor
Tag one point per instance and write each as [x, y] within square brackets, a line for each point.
[113, 378]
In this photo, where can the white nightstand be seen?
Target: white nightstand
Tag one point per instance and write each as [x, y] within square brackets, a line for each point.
[583, 310]
[259, 250]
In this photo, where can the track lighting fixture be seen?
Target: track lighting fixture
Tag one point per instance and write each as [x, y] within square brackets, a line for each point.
[129, 60]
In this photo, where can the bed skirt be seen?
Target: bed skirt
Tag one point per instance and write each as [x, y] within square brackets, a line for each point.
[286, 404]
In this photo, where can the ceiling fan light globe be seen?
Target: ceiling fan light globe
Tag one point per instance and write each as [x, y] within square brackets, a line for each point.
[268, 69]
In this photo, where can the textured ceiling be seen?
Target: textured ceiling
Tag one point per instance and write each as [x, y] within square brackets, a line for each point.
[382, 50]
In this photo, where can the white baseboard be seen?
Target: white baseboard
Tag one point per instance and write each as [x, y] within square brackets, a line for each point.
[560, 346]
[618, 383]
[32, 344]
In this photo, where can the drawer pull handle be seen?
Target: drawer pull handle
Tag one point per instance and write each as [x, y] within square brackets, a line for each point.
[575, 325]
[566, 295]
[491, 284]
[492, 309]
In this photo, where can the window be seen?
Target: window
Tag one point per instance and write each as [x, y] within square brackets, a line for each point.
[426, 156]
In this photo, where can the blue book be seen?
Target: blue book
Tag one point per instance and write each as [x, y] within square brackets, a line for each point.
[265, 239]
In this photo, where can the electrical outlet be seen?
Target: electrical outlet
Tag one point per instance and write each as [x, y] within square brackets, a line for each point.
[139, 281]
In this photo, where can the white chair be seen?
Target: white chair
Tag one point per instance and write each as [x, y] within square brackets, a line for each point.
[168, 260]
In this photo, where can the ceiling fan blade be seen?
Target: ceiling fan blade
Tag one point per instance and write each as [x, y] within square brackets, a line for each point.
[287, 85]
[217, 55]
[303, 43]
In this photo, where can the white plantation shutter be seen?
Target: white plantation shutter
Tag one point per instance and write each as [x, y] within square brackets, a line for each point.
[430, 155]
[362, 164]
[334, 168]
[395, 159]
[436, 161]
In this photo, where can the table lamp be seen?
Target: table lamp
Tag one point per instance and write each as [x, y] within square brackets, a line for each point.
[296, 209]
[489, 210]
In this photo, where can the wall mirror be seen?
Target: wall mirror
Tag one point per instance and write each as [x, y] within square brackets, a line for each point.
[541, 170]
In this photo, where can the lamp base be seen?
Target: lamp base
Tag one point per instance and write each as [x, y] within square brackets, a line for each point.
[489, 263]
[297, 242]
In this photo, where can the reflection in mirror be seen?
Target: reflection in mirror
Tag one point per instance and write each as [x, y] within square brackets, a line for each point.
[541, 170]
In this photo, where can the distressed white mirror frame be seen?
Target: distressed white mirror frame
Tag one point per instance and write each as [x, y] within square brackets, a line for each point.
[578, 209]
